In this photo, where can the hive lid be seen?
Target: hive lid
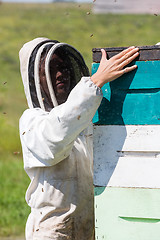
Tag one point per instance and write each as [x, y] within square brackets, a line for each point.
[147, 53]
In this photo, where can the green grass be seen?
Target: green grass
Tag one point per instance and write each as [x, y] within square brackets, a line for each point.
[14, 211]
[67, 23]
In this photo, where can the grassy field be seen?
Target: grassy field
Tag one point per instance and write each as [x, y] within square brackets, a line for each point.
[71, 23]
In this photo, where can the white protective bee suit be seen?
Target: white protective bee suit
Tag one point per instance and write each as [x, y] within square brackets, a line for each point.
[57, 148]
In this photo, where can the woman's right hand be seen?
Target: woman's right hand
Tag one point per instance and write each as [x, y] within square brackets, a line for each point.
[113, 68]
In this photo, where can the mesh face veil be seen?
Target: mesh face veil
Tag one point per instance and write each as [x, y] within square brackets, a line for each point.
[42, 52]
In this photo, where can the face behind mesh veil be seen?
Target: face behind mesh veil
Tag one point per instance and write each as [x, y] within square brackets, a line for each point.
[42, 54]
[31, 71]
[76, 63]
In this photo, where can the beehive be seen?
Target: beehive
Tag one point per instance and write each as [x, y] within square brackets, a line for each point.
[127, 151]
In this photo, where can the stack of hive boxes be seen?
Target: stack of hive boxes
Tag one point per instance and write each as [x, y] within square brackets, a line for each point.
[127, 151]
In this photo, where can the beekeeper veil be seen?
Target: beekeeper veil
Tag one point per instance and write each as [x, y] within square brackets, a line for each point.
[40, 51]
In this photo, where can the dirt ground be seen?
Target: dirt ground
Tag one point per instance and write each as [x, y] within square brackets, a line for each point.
[127, 6]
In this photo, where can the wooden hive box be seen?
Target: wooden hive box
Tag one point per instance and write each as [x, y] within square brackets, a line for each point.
[127, 151]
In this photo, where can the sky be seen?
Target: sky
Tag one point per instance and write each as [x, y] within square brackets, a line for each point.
[42, 1]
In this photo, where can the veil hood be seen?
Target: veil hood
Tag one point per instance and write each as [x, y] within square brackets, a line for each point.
[30, 57]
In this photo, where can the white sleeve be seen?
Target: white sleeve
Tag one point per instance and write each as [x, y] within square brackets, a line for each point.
[50, 136]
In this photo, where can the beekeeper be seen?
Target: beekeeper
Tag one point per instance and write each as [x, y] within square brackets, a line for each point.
[56, 135]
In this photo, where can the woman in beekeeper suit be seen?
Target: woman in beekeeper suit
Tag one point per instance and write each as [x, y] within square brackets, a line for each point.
[56, 135]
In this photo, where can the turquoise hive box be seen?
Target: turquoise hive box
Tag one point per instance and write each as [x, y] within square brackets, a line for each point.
[126, 145]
